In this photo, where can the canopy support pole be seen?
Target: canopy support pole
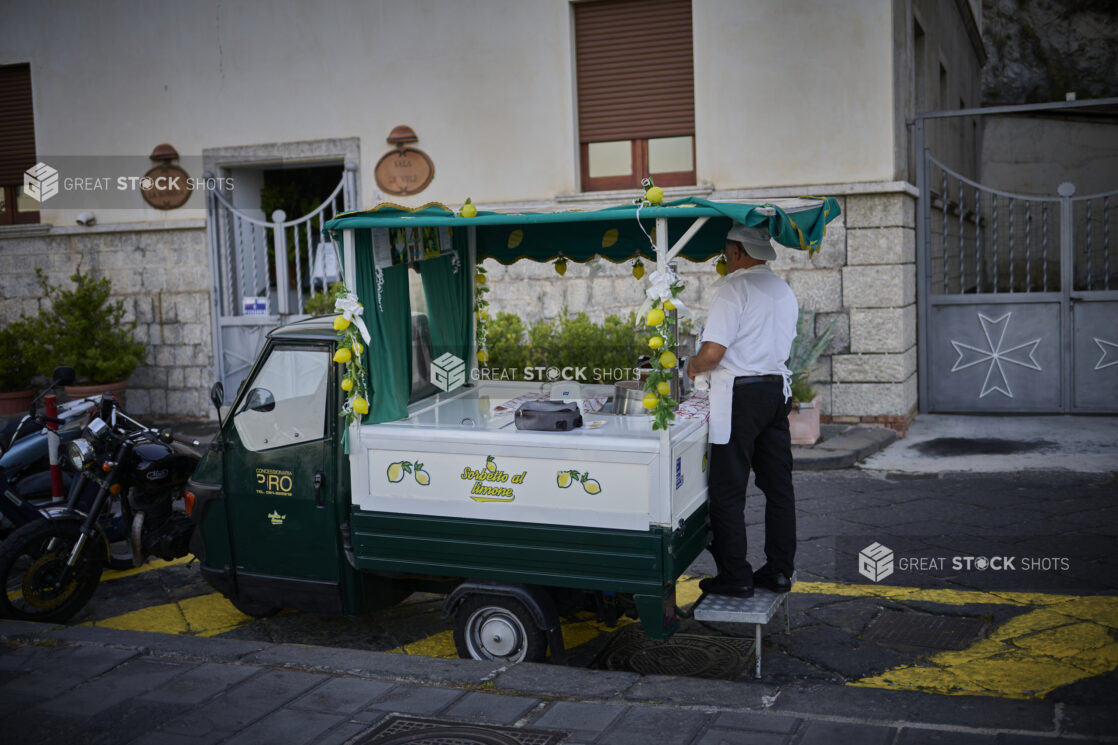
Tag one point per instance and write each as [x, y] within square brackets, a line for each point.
[661, 244]
[686, 237]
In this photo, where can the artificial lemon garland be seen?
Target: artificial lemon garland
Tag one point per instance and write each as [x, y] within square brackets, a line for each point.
[481, 315]
[351, 329]
[658, 387]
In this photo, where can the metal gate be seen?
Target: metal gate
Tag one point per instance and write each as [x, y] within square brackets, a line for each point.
[251, 292]
[1018, 298]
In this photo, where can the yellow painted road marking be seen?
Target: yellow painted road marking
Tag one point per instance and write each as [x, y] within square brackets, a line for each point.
[1064, 638]
[151, 566]
[203, 615]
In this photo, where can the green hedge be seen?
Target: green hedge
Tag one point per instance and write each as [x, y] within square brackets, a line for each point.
[564, 341]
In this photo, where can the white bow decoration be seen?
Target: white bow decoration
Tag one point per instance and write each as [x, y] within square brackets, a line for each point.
[351, 310]
[660, 288]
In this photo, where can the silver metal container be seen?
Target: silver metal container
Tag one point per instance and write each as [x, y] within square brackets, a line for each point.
[627, 397]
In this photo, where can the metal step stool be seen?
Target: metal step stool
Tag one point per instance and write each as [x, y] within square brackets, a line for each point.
[757, 610]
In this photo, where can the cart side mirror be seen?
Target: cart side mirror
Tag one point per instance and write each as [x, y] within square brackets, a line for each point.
[63, 375]
[217, 395]
[260, 399]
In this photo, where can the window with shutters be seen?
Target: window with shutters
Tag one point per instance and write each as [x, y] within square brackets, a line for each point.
[636, 92]
[17, 144]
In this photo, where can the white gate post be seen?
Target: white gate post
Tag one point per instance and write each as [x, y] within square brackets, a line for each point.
[281, 260]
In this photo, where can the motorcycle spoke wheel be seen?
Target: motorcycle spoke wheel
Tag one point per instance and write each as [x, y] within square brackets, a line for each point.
[32, 564]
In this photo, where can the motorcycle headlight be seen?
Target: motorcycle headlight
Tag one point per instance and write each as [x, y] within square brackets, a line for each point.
[80, 454]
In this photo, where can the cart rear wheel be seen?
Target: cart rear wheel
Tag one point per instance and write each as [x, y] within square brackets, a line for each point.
[497, 628]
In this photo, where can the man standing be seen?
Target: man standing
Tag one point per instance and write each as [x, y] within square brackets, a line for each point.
[746, 344]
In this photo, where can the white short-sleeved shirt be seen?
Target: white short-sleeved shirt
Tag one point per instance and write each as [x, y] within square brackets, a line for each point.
[753, 315]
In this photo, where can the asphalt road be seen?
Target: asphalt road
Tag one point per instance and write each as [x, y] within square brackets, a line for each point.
[1018, 633]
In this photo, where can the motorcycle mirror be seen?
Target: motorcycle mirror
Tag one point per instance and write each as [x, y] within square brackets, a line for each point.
[260, 399]
[63, 375]
[217, 394]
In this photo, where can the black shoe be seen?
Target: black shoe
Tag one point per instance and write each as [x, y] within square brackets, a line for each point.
[719, 586]
[770, 580]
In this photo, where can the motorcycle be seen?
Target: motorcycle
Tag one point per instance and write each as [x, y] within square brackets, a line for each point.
[133, 477]
[25, 479]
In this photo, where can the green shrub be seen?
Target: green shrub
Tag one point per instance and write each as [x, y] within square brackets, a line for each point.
[322, 303]
[806, 349]
[564, 341]
[85, 330]
[17, 369]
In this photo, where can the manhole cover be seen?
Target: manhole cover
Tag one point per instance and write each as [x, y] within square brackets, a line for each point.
[401, 730]
[721, 657]
[908, 629]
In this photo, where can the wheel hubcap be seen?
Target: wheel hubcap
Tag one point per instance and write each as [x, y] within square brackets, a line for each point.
[495, 634]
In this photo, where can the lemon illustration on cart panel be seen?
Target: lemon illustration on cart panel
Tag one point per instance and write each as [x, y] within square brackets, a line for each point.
[397, 470]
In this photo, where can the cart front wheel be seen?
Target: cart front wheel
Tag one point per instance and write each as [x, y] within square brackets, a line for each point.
[491, 627]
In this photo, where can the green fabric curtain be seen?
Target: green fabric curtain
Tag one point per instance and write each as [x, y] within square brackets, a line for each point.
[449, 300]
[388, 358]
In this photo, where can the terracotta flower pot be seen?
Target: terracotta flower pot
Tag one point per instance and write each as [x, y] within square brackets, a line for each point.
[803, 423]
[116, 389]
[15, 402]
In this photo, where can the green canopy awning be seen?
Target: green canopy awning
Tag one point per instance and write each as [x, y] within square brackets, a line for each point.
[613, 233]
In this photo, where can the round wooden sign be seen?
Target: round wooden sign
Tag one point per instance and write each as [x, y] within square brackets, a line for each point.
[404, 171]
[165, 187]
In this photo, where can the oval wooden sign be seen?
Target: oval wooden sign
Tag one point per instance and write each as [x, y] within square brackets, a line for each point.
[404, 171]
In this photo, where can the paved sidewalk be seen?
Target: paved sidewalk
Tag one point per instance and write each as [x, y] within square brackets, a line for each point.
[99, 686]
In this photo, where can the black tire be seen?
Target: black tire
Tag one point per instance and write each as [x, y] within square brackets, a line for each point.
[29, 564]
[499, 629]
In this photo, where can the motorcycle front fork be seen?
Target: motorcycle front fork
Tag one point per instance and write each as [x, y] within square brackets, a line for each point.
[88, 529]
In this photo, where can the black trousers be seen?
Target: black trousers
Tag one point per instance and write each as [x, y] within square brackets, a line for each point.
[759, 439]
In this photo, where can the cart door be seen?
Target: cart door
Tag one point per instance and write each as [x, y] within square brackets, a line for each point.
[281, 502]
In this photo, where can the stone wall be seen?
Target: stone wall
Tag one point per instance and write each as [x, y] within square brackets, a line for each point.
[161, 273]
[863, 280]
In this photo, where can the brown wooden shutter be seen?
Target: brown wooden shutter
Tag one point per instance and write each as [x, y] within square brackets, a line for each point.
[17, 123]
[634, 67]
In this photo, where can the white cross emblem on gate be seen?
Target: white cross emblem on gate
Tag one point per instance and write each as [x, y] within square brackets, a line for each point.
[995, 328]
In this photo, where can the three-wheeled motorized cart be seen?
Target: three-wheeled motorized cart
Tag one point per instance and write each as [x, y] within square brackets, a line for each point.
[435, 488]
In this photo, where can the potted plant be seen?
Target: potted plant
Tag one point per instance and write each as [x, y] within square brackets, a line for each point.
[17, 370]
[803, 421]
[87, 331]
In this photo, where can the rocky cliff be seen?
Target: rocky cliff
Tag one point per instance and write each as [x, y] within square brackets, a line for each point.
[1041, 49]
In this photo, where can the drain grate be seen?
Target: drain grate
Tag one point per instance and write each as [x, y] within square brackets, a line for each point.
[402, 730]
[688, 655]
[908, 629]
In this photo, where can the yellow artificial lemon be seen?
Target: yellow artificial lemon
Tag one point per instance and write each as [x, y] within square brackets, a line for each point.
[357, 348]
[720, 267]
[343, 355]
[421, 477]
[668, 360]
[655, 195]
[656, 342]
[490, 465]
[638, 269]
[669, 305]
[482, 315]
[347, 384]
[482, 356]
[560, 267]
[395, 472]
[664, 387]
[468, 209]
[591, 486]
[341, 323]
[649, 400]
[655, 317]
[563, 479]
[481, 279]
[360, 405]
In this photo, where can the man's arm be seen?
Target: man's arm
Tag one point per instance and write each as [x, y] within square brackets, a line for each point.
[710, 354]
